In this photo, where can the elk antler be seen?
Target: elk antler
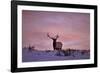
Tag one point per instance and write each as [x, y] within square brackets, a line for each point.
[49, 36]
[52, 37]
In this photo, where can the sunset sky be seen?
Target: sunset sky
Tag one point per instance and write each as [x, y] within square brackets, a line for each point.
[73, 29]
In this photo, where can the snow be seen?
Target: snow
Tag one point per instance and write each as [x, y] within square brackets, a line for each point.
[34, 55]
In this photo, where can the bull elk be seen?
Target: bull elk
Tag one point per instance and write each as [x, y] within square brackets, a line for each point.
[56, 45]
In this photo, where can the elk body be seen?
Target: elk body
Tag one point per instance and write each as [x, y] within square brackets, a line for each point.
[56, 45]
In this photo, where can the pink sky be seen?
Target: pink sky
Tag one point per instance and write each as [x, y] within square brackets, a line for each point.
[73, 29]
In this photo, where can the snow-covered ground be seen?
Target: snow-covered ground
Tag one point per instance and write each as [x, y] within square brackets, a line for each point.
[32, 56]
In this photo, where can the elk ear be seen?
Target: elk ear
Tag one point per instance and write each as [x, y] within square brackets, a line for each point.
[48, 34]
[57, 36]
